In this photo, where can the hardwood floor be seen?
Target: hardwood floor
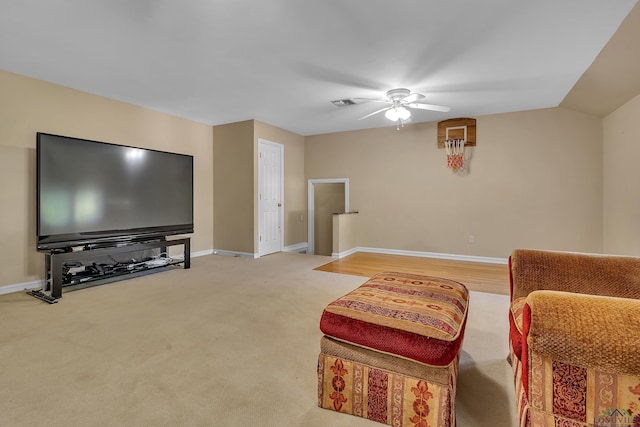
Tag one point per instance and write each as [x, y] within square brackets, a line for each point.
[482, 277]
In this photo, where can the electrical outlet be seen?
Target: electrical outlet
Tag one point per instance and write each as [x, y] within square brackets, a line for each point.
[472, 239]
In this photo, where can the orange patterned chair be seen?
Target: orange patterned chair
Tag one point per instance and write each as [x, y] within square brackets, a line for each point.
[575, 338]
[390, 350]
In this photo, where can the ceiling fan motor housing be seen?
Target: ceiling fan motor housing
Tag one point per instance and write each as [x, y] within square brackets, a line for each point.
[398, 94]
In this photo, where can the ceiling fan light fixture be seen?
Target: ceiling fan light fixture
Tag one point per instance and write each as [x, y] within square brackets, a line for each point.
[397, 113]
[403, 113]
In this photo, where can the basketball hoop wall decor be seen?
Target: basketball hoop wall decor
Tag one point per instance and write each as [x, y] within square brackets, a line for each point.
[454, 135]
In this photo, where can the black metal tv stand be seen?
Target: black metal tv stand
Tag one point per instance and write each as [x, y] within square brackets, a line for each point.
[55, 261]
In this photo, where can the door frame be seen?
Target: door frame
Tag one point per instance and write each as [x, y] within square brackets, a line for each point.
[279, 146]
[311, 206]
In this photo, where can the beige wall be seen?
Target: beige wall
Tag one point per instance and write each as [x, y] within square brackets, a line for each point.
[621, 176]
[28, 106]
[233, 186]
[328, 200]
[344, 235]
[535, 181]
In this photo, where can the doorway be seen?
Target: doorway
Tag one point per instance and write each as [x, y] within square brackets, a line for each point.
[321, 209]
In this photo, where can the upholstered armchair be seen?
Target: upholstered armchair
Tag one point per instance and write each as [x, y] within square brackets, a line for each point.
[575, 338]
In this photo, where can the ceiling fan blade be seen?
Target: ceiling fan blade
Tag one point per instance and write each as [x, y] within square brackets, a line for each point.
[432, 107]
[362, 100]
[412, 98]
[375, 112]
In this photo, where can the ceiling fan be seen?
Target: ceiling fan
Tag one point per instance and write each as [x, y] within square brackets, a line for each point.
[399, 102]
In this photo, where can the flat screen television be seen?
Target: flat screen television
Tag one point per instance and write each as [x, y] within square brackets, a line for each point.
[91, 192]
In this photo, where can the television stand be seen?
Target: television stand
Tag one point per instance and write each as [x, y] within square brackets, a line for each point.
[55, 262]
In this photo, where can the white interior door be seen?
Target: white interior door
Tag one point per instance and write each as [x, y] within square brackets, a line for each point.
[270, 197]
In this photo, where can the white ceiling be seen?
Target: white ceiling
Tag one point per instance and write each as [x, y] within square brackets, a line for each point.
[283, 61]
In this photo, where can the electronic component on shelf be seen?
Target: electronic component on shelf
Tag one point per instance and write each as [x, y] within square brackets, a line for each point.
[74, 270]
[158, 262]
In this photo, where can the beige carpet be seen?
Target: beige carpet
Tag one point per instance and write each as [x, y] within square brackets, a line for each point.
[230, 342]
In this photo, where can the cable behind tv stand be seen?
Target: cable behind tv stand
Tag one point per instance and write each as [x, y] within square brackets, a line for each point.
[56, 261]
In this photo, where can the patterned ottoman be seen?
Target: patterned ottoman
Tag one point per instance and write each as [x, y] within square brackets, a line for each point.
[390, 350]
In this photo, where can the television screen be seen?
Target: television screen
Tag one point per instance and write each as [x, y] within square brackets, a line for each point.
[89, 191]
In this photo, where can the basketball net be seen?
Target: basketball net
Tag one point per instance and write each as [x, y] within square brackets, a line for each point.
[455, 154]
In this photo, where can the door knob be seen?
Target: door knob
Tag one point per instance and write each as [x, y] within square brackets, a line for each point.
[279, 204]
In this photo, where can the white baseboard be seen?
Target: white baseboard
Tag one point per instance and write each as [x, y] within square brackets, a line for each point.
[345, 253]
[438, 255]
[201, 253]
[19, 287]
[235, 253]
[298, 247]
[194, 254]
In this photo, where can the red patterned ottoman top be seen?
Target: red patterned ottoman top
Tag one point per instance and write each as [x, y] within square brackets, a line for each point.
[417, 317]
